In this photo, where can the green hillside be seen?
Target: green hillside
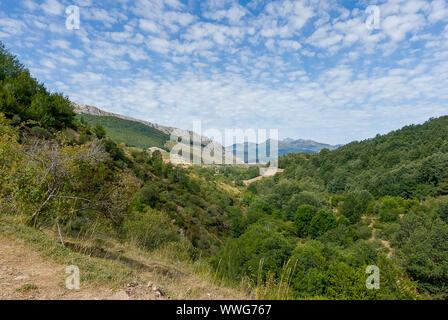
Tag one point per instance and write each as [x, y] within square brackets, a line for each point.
[380, 202]
[310, 232]
[132, 133]
[411, 162]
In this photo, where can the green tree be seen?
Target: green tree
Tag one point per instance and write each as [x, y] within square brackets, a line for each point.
[310, 271]
[321, 222]
[442, 210]
[99, 131]
[260, 249]
[425, 255]
[303, 218]
[355, 205]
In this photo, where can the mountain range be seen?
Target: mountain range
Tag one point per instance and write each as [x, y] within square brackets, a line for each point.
[145, 134]
[252, 152]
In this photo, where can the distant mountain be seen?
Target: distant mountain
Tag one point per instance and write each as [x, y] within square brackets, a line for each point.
[248, 151]
[87, 109]
[144, 134]
[300, 145]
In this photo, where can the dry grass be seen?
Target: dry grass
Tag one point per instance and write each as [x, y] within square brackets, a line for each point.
[109, 270]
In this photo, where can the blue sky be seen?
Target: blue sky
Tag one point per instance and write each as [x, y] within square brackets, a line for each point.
[312, 69]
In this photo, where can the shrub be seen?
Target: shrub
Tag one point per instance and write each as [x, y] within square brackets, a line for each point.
[303, 218]
[260, 249]
[363, 232]
[310, 271]
[40, 133]
[442, 210]
[150, 229]
[322, 222]
[355, 205]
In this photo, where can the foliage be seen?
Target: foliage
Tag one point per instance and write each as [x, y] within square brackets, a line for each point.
[304, 215]
[409, 163]
[312, 229]
[424, 248]
[355, 204]
[150, 229]
[321, 222]
[132, 133]
[260, 249]
[22, 98]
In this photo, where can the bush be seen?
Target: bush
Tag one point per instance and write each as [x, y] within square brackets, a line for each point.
[426, 257]
[390, 208]
[260, 249]
[303, 218]
[40, 133]
[363, 232]
[150, 229]
[310, 272]
[342, 235]
[355, 205]
[442, 210]
[322, 222]
[149, 194]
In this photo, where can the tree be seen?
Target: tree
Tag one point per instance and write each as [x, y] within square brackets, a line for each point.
[321, 222]
[425, 255]
[442, 210]
[149, 195]
[99, 131]
[310, 271]
[260, 249]
[303, 218]
[355, 205]
[345, 282]
[305, 197]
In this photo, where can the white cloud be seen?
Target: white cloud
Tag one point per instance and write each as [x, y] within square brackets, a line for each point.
[148, 25]
[52, 7]
[397, 27]
[439, 11]
[30, 5]
[47, 63]
[106, 17]
[233, 14]
[312, 66]
[11, 27]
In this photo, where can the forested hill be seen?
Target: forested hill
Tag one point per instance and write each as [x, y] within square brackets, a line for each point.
[377, 202]
[411, 162]
[53, 163]
[132, 133]
[309, 232]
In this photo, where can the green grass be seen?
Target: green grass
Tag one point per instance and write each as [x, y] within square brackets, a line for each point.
[26, 288]
[132, 133]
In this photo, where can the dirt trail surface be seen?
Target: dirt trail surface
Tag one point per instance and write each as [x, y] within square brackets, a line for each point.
[26, 275]
[384, 242]
[247, 182]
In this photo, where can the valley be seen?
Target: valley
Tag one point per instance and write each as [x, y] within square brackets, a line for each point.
[83, 190]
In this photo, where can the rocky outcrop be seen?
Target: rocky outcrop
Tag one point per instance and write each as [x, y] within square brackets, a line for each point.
[87, 109]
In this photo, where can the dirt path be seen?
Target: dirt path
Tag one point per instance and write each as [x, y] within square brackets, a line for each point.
[384, 242]
[247, 182]
[26, 275]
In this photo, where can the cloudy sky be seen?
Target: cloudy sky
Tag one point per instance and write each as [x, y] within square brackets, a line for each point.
[323, 70]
